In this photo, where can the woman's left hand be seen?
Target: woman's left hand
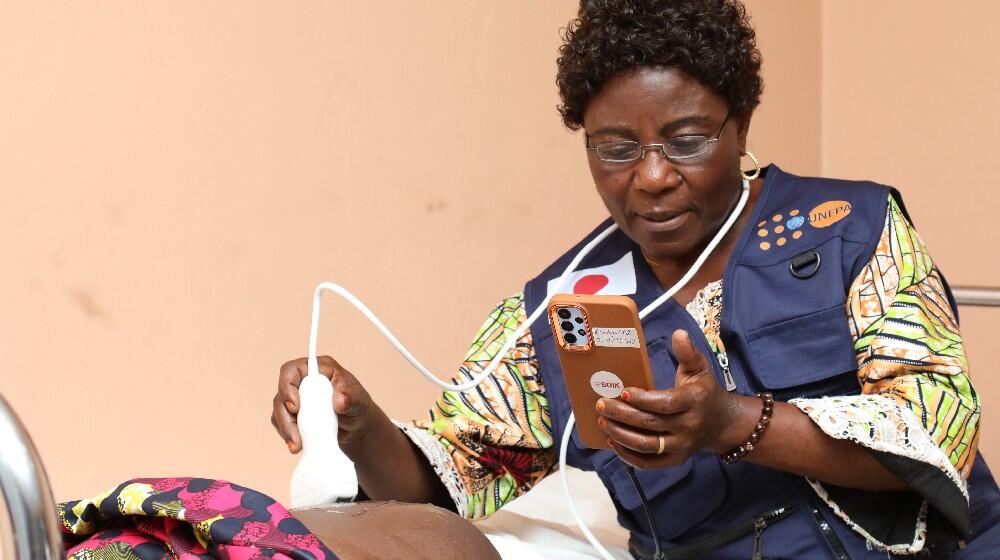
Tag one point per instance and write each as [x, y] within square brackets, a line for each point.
[696, 414]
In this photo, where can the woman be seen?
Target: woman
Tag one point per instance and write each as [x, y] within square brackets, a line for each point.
[821, 297]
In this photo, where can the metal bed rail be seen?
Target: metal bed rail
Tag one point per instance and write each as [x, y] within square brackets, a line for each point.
[28, 529]
[976, 296]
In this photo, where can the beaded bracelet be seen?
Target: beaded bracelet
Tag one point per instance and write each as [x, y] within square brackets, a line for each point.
[765, 418]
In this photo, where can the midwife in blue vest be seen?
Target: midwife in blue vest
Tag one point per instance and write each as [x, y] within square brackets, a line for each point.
[822, 297]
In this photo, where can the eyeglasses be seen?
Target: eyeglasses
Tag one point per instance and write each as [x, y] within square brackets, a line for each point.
[676, 148]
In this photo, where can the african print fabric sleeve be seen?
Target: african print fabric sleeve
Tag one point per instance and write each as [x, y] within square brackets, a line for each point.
[917, 412]
[491, 444]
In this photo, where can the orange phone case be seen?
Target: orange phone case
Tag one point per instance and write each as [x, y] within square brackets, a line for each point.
[601, 350]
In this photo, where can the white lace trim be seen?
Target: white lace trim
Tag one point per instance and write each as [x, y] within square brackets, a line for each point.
[919, 532]
[444, 466]
[698, 307]
[882, 424]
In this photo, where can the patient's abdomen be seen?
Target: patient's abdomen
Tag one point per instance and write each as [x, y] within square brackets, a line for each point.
[378, 530]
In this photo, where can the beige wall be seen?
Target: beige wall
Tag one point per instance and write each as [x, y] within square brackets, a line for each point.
[786, 126]
[178, 177]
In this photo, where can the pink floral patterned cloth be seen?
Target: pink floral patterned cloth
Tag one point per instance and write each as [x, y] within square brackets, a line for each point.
[185, 518]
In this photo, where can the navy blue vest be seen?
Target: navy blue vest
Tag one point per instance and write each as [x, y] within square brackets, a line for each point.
[782, 333]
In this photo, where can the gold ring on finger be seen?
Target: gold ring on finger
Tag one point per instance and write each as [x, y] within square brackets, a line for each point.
[663, 444]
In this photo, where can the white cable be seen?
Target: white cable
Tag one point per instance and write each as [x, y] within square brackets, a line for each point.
[313, 365]
[735, 215]
[563, 447]
[476, 379]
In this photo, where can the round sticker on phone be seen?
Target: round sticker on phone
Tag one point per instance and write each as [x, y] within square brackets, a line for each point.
[607, 384]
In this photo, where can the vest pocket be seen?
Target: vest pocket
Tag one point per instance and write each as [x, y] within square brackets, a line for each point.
[804, 351]
[697, 488]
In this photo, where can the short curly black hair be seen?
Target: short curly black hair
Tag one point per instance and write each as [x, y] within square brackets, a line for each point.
[711, 40]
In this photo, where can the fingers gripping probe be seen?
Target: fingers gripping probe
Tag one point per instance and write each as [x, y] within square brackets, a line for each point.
[326, 474]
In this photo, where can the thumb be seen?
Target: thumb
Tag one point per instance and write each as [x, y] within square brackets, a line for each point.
[690, 361]
[349, 397]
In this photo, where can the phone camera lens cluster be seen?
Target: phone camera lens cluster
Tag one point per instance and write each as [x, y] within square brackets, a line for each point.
[574, 328]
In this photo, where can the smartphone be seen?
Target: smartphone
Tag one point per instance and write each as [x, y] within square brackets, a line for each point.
[601, 350]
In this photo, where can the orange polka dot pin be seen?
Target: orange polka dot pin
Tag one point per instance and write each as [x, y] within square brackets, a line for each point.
[784, 229]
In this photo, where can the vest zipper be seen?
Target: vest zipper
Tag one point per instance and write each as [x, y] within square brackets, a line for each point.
[838, 547]
[701, 549]
[758, 549]
[762, 523]
[726, 373]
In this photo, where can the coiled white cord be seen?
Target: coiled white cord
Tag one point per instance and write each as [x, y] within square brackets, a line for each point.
[329, 471]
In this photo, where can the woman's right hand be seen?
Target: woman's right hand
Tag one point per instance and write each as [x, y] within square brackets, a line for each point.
[351, 403]
[366, 435]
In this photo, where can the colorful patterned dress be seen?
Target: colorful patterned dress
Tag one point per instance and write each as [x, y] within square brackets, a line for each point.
[186, 519]
[915, 401]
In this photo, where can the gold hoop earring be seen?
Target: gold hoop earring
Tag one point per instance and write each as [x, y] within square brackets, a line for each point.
[756, 171]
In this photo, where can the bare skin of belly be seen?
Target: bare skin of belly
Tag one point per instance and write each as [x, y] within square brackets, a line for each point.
[383, 530]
